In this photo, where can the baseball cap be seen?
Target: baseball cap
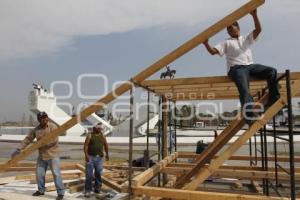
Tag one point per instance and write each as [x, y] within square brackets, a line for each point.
[41, 115]
[99, 125]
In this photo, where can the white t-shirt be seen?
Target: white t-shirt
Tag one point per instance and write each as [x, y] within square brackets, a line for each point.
[237, 51]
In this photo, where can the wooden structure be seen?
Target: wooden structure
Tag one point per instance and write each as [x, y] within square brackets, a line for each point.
[136, 80]
[212, 88]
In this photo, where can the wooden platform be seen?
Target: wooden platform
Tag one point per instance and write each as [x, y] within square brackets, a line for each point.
[207, 88]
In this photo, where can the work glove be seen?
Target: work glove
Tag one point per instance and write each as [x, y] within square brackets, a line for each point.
[16, 152]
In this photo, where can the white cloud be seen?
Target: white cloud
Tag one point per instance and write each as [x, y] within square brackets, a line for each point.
[34, 27]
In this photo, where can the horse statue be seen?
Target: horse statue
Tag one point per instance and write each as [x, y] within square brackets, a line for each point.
[170, 73]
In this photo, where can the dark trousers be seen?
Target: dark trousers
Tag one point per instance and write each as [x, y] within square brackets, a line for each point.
[240, 74]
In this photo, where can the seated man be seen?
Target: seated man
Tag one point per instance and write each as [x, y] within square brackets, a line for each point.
[241, 66]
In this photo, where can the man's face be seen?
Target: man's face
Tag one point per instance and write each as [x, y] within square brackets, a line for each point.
[233, 31]
[97, 129]
[44, 121]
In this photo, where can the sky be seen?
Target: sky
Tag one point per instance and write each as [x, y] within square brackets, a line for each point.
[44, 41]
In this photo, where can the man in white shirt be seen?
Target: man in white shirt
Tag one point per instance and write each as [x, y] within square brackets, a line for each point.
[240, 65]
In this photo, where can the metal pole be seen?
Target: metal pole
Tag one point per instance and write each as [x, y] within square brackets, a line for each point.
[130, 144]
[275, 154]
[266, 158]
[262, 158]
[169, 115]
[159, 136]
[255, 137]
[250, 151]
[175, 125]
[148, 119]
[165, 133]
[291, 137]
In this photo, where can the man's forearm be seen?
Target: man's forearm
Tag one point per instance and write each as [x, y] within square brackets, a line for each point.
[257, 24]
[86, 151]
[211, 50]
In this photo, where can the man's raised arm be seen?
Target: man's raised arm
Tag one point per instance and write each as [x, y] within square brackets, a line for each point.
[211, 50]
[257, 25]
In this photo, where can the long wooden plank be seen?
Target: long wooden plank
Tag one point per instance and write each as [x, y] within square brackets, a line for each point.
[206, 80]
[238, 174]
[215, 146]
[193, 195]
[205, 172]
[188, 166]
[239, 157]
[145, 176]
[186, 47]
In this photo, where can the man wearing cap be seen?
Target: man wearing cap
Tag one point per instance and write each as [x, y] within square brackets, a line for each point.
[48, 155]
[93, 150]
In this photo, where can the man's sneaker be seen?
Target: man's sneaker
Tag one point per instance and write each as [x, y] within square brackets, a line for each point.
[60, 197]
[87, 194]
[37, 193]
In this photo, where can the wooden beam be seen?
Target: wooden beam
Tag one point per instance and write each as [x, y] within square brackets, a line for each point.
[257, 187]
[205, 97]
[221, 80]
[188, 166]
[239, 157]
[238, 174]
[183, 49]
[49, 177]
[111, 184]
[76, 188]
[192, 195]
[145, 176]
[52, 187]
[6, 180]
[30, 168]
[253, 175]
[123, 167]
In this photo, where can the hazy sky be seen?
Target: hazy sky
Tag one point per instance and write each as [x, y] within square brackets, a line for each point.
[53, 40]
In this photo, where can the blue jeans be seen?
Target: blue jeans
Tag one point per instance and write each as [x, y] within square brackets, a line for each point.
[94, 163]
[41, 169]
[240, 74]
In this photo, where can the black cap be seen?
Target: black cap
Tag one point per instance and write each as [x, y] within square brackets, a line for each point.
[41, 115]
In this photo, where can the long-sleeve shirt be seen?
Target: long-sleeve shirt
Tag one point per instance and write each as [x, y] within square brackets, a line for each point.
[48, 151]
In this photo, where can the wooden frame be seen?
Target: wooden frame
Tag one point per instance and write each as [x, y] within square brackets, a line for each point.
[199, 170]
[210, 88]
[194, 195]
[186, 47]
